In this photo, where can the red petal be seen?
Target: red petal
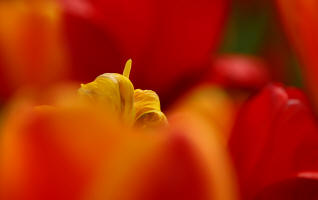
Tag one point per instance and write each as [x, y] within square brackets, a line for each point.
[169, 41]
[301, 22]
[293, 189]
[274, 139]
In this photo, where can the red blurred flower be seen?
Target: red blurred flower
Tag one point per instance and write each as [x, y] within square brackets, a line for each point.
[301, 22]
[274, 146]
[239, 71]
[75, 151]
[169, 41]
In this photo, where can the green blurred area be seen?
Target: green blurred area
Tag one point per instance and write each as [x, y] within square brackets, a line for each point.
[245, 30]
[253, 28]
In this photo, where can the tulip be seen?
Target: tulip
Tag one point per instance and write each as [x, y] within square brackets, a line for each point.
[88, 38]
[300, 21]
[84, 147]
[239, 71]
[274, 146]
[116, 94]
[45, 154]
[76, 153]
[31, 50]
[162, 36]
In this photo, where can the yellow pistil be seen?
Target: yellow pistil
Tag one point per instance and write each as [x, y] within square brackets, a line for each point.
[116, 94]
[127, 68]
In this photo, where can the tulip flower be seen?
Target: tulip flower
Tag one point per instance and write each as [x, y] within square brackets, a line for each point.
[274, 146]
[300, 20]
[116, 93]
[84, 147]
[31, 50]
[162, 36]
[74, 153]
[79, 40]
[239, 71]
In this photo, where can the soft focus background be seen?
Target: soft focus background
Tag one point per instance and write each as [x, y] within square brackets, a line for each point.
[236, 81]
[173, 44]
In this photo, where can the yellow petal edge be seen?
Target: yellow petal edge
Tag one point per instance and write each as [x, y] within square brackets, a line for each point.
[117, 95]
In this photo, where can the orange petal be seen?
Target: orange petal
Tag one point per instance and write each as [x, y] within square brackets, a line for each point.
[31, 44]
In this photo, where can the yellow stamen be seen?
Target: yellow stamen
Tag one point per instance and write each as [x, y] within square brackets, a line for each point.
[116, 94]
[127, 68]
